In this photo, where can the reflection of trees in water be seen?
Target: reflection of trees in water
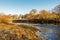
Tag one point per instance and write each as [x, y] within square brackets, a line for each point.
[48, 34]
[58, 35]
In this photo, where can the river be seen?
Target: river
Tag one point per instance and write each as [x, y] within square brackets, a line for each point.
[48, 32]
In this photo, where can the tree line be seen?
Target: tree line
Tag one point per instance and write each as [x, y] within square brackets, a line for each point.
[33, 16]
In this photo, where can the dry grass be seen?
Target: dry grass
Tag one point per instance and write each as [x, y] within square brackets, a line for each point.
[9, 31]
[18, 32]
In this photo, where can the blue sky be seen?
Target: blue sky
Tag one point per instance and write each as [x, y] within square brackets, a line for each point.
[24, 6]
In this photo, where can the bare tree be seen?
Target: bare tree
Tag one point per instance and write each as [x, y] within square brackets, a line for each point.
[33, 11]
[57, 9]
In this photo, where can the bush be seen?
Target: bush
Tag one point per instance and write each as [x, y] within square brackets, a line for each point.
[5, 19]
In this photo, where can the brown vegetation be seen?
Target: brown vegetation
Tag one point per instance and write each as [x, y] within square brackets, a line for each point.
[10, 31]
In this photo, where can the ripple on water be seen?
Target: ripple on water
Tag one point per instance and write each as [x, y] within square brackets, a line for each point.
[49, 34]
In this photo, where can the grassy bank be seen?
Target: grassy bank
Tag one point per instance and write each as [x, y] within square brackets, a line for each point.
[18, 32]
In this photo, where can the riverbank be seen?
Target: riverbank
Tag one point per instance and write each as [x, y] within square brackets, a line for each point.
[18, 32]
[37, 21]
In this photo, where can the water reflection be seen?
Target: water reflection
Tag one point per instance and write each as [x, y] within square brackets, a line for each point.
[49, 34]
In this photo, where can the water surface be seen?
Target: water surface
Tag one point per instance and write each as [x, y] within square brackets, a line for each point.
[48, 32]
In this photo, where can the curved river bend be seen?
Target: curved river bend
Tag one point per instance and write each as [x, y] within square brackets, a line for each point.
[48, 32]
